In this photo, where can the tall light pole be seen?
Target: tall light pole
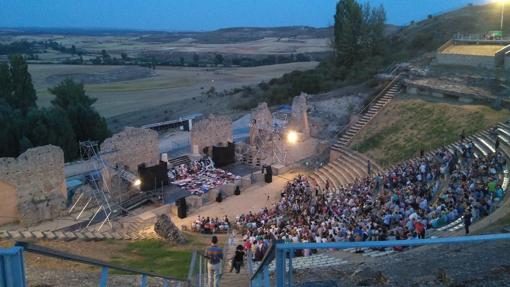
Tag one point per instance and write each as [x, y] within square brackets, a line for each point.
[502, 3]
[502, 14]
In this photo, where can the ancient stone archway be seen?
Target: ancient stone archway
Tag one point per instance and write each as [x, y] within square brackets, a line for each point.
[8, 203]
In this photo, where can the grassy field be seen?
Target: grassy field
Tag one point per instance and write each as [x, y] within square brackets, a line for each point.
[165, 85]
[147, 255]
[408, 125]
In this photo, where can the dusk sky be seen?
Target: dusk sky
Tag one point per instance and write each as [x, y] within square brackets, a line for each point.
[200, 14]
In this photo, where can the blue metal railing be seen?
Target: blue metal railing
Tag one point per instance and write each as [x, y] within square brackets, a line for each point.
[12, 269]
[283, 253]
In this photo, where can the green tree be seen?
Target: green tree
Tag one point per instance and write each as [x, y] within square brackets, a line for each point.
[5, 81]
[11, 125]
[358, 31]
[23, 96]
[218, 59]
[86, 122]
[347, 31]
[196, 60]
[69, 93]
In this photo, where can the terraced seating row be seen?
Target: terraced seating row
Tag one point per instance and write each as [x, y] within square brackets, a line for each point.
[349, 166]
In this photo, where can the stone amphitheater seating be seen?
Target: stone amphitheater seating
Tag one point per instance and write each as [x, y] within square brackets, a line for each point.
[348, 166]
[484, 142]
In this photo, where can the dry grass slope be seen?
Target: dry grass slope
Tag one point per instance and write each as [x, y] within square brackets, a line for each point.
[406, 126]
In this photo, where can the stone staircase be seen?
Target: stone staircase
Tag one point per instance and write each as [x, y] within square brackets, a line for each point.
[365, 117]
[234, 279]
[345, 169]
[179, 160]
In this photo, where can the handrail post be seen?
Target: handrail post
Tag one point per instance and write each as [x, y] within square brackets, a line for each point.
[200, 271]
[143, 281]
[104, 277]
[266, 276]
[280, 267]
[291, 254]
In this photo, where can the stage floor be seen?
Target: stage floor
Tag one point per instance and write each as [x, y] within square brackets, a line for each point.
[241, 169]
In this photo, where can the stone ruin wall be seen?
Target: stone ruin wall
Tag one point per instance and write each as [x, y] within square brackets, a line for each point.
[35, 183]
[130, 148]
[261, 122]
[299, 115]
[211, 131]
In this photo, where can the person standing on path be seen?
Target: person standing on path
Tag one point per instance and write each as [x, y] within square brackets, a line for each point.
[214, 256]
[369, 168]
[467, 220]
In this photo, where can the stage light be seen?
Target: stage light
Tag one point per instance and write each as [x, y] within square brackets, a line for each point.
[137, 182]
[292, 137]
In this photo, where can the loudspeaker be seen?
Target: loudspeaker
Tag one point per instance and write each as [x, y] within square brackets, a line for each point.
[219, 197]
[182, 208]
[153, 177]
[237, 191]
[223, 156]
[268, 178]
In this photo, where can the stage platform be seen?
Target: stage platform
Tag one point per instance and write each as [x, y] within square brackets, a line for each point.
[241, 169]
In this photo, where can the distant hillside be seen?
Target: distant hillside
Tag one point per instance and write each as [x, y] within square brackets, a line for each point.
[240, 34]
[431, 33]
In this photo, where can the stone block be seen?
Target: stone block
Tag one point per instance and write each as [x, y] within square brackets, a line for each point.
[212, 194]
[194, 201]
[60, 235]
[107, 235]
[174, 210]
[15, 234]
[38, 234]
[4, 234]
[117, 236]
[90, 236]
[246, 181]
[98, 236]
[80, 235]
[279, 169]
[228, 189]
[27, 234]
[49, 235]
[70, 235]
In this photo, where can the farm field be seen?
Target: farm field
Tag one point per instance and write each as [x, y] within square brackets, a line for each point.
[127, 89]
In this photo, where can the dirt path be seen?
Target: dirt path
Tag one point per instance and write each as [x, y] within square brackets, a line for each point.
[254, 198]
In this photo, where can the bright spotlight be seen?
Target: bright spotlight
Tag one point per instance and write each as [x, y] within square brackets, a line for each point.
[292, 137]
[137, 182]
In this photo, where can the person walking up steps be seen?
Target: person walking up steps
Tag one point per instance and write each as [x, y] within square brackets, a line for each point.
[238, 259]
[214, 255]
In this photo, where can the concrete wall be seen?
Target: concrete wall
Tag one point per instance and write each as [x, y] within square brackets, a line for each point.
[487, 62]
[131, 147]
[37, 178]
[500, 56]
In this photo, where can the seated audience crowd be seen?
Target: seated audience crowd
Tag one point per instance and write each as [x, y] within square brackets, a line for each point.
[401, 203]
[210, 225]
